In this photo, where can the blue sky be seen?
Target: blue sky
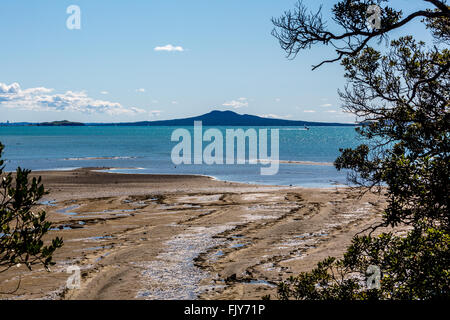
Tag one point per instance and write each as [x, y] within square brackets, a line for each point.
[118, 66]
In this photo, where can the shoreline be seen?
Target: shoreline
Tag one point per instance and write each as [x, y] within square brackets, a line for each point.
[111, 170]
[141, 236]
[256, 184]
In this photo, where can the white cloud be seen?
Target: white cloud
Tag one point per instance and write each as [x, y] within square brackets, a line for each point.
[136, 110]
[42, 99]
[309, 111]
[174, 102]
[140, 90]
[13, 88]
[104, 92]
[169, 48]
[277, 99]
[326, 105]
[236, 104]
[155, 113]
[331, 111]
[275, 116]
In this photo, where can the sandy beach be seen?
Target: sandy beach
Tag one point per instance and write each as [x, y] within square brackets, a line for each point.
[185, 237]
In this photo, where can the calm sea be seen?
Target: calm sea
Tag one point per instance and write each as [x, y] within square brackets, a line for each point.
[148, 150]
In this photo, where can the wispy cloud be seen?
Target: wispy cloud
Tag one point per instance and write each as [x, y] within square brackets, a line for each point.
[104, 92]
[236, 104]
[155, 113]
[43, 99]
[275, 116]
[169, 48]
[309, 111]
[140, 90]
[327, 105]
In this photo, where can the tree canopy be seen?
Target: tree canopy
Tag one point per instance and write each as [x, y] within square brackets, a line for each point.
[402, 97]
[21, 227]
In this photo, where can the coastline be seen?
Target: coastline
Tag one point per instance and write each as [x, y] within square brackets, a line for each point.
[141, 236]
[136, 170]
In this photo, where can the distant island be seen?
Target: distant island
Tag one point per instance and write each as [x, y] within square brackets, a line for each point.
[62, 123]
[213, 118]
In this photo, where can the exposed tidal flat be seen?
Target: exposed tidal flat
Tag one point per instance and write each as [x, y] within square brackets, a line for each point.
[140, 236]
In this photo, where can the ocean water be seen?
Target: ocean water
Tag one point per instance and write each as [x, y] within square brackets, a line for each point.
[148, 150]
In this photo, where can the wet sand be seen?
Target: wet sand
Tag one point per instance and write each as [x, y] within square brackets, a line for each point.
[186, 237]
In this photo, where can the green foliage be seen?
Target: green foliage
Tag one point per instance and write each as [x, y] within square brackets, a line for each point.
[403, 99]
[411, 112]
[21, 228]
[413, 267]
